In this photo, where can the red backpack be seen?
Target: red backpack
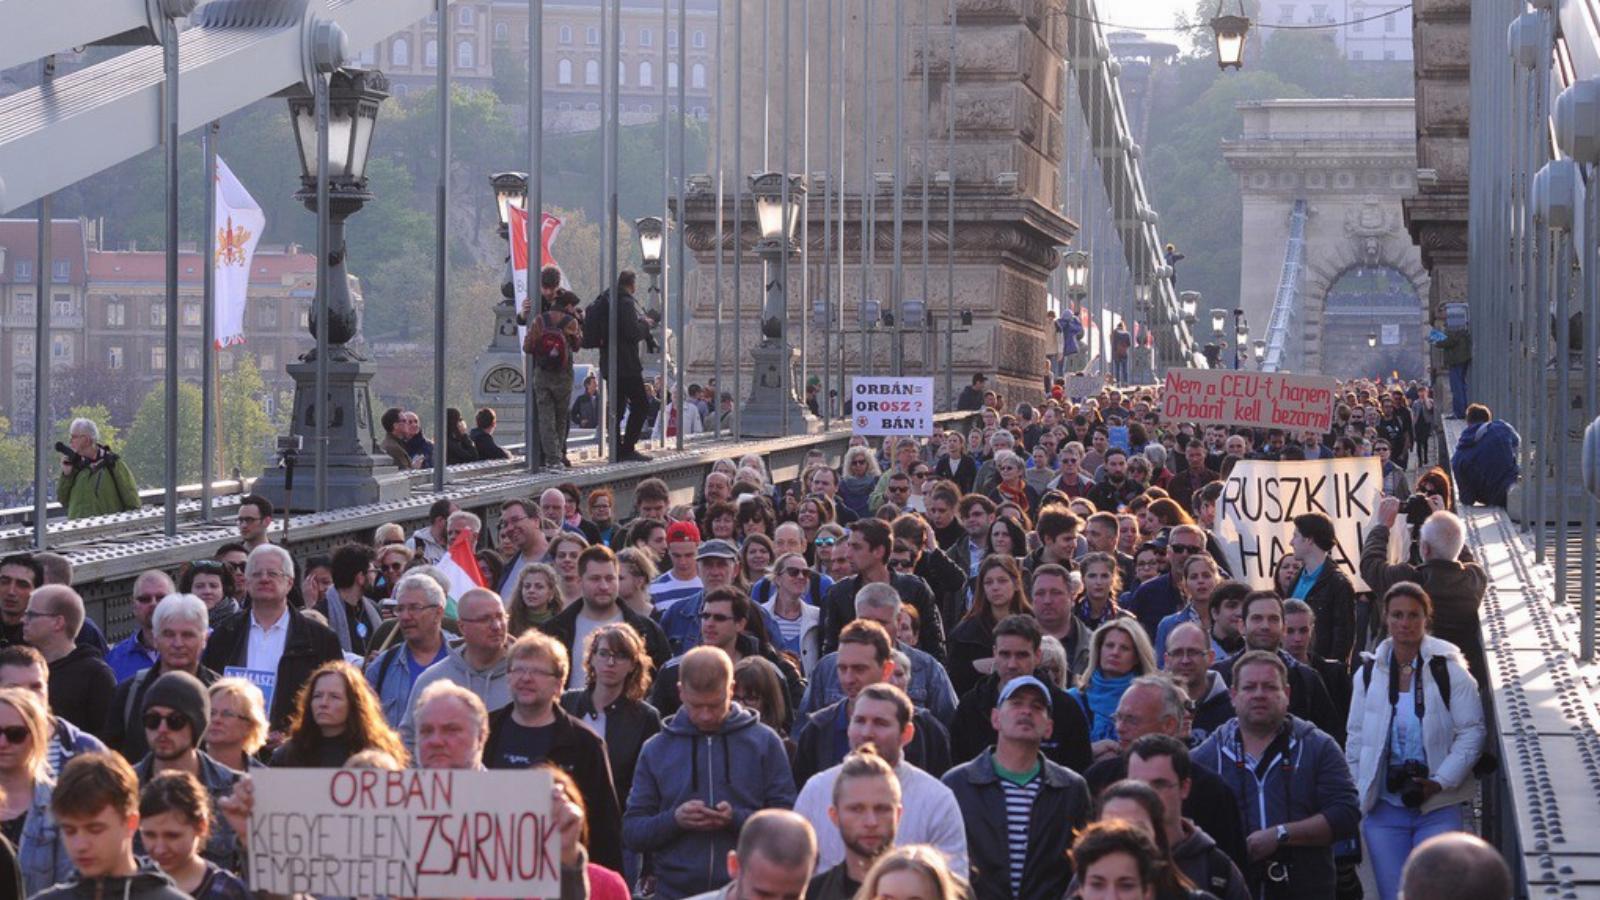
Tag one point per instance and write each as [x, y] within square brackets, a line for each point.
[551, 340]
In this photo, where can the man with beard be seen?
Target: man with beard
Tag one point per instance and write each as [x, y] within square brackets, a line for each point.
[176, 710]
[1117, 488]
[1308, 696]
[866, 810]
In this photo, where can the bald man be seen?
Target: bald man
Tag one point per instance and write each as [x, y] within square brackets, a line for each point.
[81, 684]
[1455, 866]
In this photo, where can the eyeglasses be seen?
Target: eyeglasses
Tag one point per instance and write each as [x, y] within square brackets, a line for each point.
[148, 598]
[233, 566]
[228, 714]
[794, 572]
[530, 671]
[902, 565]
[1183, 548]
[175, 721]
[604, 655]
[415, 609]
[36, 614]
[248, 520]
[825, 541]
[715, 617]
[16, 735]
[267, 576]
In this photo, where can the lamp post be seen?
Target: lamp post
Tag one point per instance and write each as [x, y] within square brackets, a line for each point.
[1241, 337]
[1229, 33]
[1372, 339]
[773, 398]
[356, 474]
[499, 381]
[652, 234]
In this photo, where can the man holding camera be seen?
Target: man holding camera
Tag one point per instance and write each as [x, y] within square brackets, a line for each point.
[94, 481]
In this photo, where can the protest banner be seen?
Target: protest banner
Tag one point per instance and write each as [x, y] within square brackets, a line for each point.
[1295, 403]
[1081, 386]
[882, 406]
[1118, 436]
[413, 833]
[265, 679]
[1260, 498]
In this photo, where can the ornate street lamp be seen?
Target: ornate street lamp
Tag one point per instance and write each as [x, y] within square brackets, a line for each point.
[1260, 348]
[1372, 339]
[775, 407]
[652, 238]
[1190, 303]
[1218, 319]
[1229, 33]
[356, 473]
[1141, 296]
[1075, 265]
[510, 189]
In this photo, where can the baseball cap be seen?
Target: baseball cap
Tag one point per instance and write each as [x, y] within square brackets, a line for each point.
[716, 548]
[1023, 682]
[679, 532]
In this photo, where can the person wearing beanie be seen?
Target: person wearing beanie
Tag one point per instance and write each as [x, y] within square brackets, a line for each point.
[174, 715]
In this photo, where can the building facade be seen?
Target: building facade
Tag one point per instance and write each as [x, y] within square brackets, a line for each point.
[1378, 30]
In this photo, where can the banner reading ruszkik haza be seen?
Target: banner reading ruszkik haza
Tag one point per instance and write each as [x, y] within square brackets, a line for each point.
[1295, 403]
[414, 833]
[1255, 514]
[882, 406]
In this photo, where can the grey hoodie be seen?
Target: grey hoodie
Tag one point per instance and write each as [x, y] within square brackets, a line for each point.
[743, 764]
[489, 684]
[148, 883]
[1199, 858]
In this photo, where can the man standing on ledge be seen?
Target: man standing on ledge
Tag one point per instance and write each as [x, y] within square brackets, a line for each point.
[631, 329]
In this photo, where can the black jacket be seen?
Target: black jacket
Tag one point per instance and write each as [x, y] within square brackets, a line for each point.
[484, 443]
[971, 398]
[1068, 744]
[1059, 811]
[834, 884]
[459, 448]
[1333, 601]
[308, 646]
[629, 723]
[81, 685]
[664, 696]
[123, 731]
[929, 749]
[970, 641]
[1108, 496]
[1210, 804]
[582, 754]
[839, 608]
[564, 628]
[631, 329]
[947, 580]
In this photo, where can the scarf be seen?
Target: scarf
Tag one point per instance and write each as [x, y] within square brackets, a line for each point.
[1103, 695]
[1017, 494]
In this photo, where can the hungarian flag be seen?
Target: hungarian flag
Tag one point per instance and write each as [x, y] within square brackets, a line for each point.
[460, 566]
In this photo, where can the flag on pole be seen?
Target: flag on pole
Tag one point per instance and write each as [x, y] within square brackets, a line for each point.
[549, 227]
[460, 566]
[517, 233]
[239, 223]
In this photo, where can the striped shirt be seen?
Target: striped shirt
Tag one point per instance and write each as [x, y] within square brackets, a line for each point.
[1019, 812]
[668, 589]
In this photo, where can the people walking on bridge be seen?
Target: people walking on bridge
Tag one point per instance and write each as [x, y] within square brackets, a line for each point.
[94, 480]
[553, 338]
[1121, 350]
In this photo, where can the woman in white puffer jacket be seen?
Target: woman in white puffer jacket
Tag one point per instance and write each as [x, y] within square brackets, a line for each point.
[1411, 746]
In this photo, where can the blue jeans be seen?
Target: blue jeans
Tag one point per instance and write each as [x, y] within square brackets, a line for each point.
[1458, 390]
[1121, 367]
[1393, 831]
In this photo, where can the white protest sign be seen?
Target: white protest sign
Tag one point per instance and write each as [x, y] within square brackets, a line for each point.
[414, 833]
[1255, 514]
[1082, 386]
[881, 406]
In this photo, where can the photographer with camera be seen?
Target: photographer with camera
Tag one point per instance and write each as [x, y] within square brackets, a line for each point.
[1415, 734]
[94, 481]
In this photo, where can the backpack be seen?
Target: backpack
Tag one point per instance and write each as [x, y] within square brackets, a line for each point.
[596, 320]
[549, 340]
[1439, 667]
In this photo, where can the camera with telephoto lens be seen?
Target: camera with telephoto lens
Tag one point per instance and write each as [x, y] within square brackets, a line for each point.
[1406, 780]
[70, 455]
[1417, 509]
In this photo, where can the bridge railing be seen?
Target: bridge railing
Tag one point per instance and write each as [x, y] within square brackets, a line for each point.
[1287, 299]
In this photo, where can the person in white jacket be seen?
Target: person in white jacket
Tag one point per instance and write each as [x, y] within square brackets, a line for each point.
[1415, 732]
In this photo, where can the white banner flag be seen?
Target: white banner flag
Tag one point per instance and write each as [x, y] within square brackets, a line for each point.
[238, 228]
[1255, 514]
[881, 406]
[517, 235]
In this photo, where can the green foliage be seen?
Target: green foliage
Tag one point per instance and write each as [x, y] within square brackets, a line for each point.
[145, 450]
[245, 430]
[95, 413]
[16, 464]
[510, 75]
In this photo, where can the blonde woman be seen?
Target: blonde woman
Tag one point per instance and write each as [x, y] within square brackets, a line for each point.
[25, 818]
[634, 573]
[1119, 652]
[912, 872]
[238, 726]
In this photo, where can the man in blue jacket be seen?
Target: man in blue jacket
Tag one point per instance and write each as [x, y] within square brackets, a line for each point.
[1290, 780]
[1485, 461]
[712, 767]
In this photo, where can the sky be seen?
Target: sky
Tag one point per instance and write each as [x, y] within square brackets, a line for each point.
[1145, 14]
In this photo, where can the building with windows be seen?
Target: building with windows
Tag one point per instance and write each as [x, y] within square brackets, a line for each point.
[1378, 30]
[19, 268]
[572, 43]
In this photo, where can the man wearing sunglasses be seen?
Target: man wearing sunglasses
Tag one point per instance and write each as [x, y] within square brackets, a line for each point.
[724, 612]
[81, 684]
[138, 650]
[174, 716]
[1159, 597]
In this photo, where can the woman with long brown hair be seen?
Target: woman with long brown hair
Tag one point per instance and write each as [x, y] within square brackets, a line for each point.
[617, 675]
[997, 592]
[336, 715]
[535, 600]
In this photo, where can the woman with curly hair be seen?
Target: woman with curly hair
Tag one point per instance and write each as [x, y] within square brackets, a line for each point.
[997, 593]
[618, 673]
[336, 715]
[755, 556]
[720, 521]
[861, 474]
[536, 598]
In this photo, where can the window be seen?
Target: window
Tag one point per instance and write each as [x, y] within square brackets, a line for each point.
[699, 112]
[1319, 12]
[60, 348]
[22, 305]
[672, 37]
[158, 312]
[647, 37]
[1389, 24]
[433, 17]
[191, 358]
[563, 71]
[647, 108]
[400, 52]
[1286, 13]
[698, 41]
[114, 358]
[622, 72]
[565, 34]
[465, 16]
[24, 269]
[430, 54]
[158, 358]
[191, 314]
[697, 75]
[61, 305]
[116, 314]
[591, 107]
[305, 318]
[267, 316]
[502, 32]
[466, 57]
[1357, 55]
[1358, 13]
[672, 74]
[647, 74]
[266, 362]
[61, 271]
[591, 36]
[591, 72]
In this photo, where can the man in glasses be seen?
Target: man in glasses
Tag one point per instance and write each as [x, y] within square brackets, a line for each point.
[179, 624]
[254, 520]
[81, 684]
[724, 613]
[419, 606]
[138, 650]
[174, 715]
[232, 555]
[478, 663]
[1159, 597]
[1394, 477]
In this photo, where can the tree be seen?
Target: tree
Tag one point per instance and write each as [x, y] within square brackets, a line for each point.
[94, 413]
[16, 466]
[245, 430]
[145, 451]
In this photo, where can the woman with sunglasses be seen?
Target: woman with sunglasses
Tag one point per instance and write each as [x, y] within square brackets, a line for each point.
[799, 622]
[392, 561]
[820, 547]
[174, 824]
[1013, 485]
[208, 580]
[25, 818]
[335, 716]
[814, 511]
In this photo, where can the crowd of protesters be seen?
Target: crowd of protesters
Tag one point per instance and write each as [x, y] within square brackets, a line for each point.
[1003, 661]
